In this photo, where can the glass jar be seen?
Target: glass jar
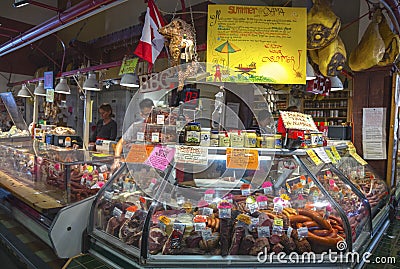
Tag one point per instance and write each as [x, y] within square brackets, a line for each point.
[237, 138]
[192, 134]
[214, 140]
[205, 137]
[224, 140]
[250, 140]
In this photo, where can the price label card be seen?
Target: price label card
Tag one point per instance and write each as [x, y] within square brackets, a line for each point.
[206, 234]
[139, 153]
[200, 226]
[164, 220]
[350, 146]
[335, 153]
[330, 155]
[278, 208]
[289, 231]
[242, 158]
[321, 153]
[191, 154]
[108, 195]
[278, 222]
[263, 231]
[117, 212]
[314, 157]
[129, 214]
[358, 158]
[207, 211]
[244, 218]
[160, 119]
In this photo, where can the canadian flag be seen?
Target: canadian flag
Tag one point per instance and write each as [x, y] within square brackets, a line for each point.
[152, 42]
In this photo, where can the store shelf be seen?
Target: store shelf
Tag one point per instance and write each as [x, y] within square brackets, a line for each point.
[324, 108]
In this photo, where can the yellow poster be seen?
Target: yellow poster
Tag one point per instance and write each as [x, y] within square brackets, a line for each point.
[257, 44]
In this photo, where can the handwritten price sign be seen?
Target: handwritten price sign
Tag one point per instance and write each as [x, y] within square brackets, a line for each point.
[242, 158]
[190, 154]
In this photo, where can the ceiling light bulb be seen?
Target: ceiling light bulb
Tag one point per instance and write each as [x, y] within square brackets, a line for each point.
[336, 84]
[24, 92]
[130, 80]
[62, 87]
[91, 83]
[40, 90]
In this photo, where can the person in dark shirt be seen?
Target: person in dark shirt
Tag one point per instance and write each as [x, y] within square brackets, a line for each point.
[106, 127]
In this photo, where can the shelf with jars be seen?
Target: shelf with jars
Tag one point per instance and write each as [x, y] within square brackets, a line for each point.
[333, 109]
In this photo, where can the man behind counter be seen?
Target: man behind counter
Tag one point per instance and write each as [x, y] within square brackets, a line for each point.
[145, 106]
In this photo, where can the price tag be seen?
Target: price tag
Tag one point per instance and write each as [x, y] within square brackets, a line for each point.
[253, 207]
[242, 158]
[160, 119]
[140, 136]
[155, 137]
[302, 232]
[200, 226]
[117, 212]
[330, 155]
[322, 154]
[350, 146]
[314, 157]
[357, 158]
[278, 230]
[244, 218]
[164, 220]
[207, 211]
[335, 153]
[129, 214]
[278, 208]
[289, 231]
[278, 222]
[108, 195]
[209, 197]
[263, 204]
[206, 234]
[263, 231]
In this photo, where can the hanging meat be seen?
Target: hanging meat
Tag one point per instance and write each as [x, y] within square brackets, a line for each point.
[322, 25]
[371, 48]
[392, 43]
[330, 59]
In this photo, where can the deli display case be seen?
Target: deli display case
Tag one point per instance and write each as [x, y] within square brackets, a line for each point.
[38, 180]
[146, 218]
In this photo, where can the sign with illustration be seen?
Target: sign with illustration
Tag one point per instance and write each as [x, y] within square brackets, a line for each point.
[258, 44]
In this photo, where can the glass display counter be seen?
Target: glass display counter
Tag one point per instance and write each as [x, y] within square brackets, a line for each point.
[62, 176]
[229, 219]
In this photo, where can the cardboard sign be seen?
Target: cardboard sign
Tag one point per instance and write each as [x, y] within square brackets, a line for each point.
[242, 158]
[298, 121]
[139, 153]
[128, 66]
[191, 154]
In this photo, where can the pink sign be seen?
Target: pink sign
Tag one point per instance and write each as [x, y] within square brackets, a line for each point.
[160, 157]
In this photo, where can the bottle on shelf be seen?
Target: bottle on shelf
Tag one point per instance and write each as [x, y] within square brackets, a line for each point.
[180, 124]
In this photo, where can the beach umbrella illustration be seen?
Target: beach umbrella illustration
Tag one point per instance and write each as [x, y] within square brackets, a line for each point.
[228, 48]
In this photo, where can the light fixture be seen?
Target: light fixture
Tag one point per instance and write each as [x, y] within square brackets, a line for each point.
[336, 84]
[91, 83]
[24, 92]
[310, 73]
[20, 3]
[130, 80]
[39, 90]
[62, 86]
